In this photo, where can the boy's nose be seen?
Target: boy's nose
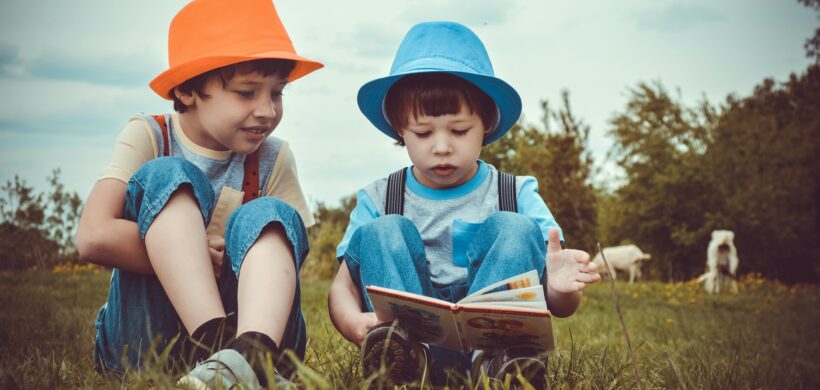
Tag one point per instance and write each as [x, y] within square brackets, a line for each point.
[442, 146]
[265, 108]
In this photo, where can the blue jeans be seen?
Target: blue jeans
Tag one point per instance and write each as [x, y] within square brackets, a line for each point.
[138, 321]
[389, 252]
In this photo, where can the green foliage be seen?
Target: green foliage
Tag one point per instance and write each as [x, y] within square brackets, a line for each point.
[764, 166]
[324, 237]
[713, 342]
[660, 146]
[752, 168]
[561, 163]
[37, 228]
[812, 44]
[62, 215]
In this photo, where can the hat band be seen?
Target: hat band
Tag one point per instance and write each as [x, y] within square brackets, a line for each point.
[437, 64]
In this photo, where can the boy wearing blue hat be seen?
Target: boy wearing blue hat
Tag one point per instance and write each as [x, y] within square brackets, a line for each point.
[450, 224]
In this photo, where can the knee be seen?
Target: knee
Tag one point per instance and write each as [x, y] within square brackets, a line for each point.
[158, 180]
[165, 175]
[509, 224]
[265, 217]
[391, 235]
[264, 208]
[171, 167]
[386, 227]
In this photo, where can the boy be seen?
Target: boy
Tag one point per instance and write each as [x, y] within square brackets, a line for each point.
[227, 286]
[453, 232]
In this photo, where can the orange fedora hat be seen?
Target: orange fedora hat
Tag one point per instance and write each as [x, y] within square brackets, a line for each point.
[208, 34]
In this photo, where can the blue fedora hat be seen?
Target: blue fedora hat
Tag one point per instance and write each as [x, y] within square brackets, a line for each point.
[445, 47]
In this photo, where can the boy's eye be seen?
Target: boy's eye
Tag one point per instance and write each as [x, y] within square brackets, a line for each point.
[422, 134]
[461, 132]
[245, 94]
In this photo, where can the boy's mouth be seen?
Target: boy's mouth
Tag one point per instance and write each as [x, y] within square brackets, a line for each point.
[255, 130]
[443, 170]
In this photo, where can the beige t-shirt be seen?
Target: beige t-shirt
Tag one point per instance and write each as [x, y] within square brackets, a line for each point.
[137, 144]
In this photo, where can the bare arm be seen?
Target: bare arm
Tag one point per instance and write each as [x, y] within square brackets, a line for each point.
[104, 237]
[343, 303]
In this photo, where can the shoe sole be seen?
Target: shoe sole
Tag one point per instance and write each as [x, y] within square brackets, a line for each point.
[187, 382]
[397, 357]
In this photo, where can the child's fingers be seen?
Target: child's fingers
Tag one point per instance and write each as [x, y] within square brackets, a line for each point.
[587, 278]
[581, 256]
[216, 242]
[589, 268]
[554, 242]
[216, 260]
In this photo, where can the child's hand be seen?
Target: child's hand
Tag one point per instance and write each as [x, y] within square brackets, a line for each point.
[216, 248]
[358, 324]
[568, 270]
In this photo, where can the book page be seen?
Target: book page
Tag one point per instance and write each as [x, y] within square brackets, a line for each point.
[428, 320]
[523, 297]
[492, 328]
[527, 279]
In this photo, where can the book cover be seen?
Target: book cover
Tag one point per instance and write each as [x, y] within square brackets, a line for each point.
[510, 312]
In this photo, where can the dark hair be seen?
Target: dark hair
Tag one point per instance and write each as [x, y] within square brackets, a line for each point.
[436, 94]
[266, 67]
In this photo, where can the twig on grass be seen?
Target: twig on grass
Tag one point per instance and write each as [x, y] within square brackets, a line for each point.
[621, 318]
[674, 371]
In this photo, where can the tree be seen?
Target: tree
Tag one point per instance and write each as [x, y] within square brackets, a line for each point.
[325, 236]
[558, 158]
[660, 144]
[753, 168]
[812, 44]
[23, 243]
[37, 229]
[63, 210]
[766, 163]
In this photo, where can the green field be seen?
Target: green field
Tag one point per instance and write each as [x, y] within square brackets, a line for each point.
[766, 336]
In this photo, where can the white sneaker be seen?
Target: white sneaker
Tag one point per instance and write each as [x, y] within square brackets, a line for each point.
[225, 369]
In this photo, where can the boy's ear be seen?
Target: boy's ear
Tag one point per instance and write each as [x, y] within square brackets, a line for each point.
[187, 98]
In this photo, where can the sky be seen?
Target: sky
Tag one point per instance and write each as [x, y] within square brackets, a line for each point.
[73, 72]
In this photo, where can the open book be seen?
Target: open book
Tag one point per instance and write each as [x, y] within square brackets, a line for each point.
[510, 312]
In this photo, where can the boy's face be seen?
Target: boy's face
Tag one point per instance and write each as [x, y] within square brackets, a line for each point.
[236, 116]
[444, 149]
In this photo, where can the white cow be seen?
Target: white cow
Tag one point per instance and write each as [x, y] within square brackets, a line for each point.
[721, 262]
[624, 258]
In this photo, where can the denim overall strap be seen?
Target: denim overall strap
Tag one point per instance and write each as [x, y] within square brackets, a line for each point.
[506, 193]
[394, 204]
[163, 126]
[250, 182]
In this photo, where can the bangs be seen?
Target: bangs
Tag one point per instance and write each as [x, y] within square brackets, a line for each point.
[436, 94]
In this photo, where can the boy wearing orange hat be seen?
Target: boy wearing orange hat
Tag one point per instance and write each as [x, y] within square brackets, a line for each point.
[200, 212]
[450, 224]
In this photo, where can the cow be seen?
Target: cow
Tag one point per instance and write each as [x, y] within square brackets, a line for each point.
[721, 262]
[627, 258]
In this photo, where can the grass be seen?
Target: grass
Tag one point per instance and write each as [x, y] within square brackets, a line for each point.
[763, 337]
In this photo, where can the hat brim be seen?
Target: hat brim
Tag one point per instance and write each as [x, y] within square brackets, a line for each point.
[169, 79]
[371, 101]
